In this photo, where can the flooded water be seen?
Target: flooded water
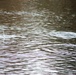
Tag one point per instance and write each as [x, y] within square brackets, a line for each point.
[37, 37]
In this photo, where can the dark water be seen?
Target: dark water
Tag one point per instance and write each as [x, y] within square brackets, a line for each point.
[37, 37]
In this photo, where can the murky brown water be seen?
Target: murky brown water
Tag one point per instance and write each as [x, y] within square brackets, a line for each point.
[37, 37]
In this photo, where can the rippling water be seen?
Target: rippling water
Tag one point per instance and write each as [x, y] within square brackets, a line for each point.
[37, 37]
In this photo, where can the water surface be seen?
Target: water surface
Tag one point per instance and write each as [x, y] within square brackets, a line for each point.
[37, 37]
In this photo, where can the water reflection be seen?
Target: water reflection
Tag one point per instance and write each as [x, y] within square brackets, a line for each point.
[36, 38]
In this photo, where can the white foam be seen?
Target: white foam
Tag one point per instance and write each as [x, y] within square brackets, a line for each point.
[63, 34]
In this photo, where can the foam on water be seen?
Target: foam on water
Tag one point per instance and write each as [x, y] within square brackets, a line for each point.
[63, 34]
